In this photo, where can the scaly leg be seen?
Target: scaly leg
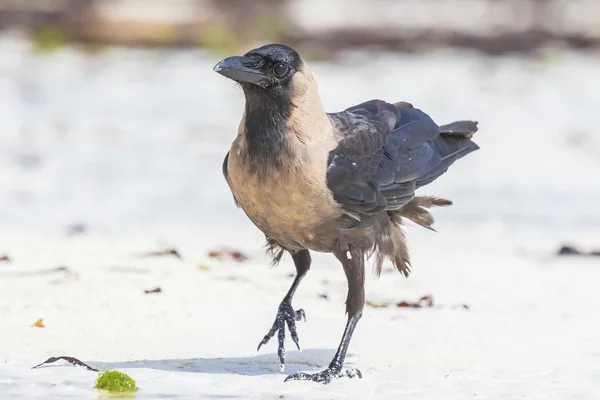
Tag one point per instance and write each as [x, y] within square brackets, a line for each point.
[286, 314]
[354, 266]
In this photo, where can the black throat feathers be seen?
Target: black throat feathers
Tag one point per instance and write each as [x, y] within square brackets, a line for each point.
[267, 118]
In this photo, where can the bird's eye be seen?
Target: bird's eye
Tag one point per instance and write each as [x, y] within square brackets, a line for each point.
[280, 70]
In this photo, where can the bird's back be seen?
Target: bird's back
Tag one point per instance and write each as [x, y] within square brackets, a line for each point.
[387, 151]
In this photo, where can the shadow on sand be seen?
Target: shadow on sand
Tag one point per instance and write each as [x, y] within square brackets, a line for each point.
[265, 364]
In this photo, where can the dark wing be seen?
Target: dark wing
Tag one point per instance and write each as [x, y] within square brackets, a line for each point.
[386, 151]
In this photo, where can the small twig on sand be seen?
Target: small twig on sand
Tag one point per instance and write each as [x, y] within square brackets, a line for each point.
[161, 253]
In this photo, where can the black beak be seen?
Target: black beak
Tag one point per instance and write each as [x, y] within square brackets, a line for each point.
[233, 68]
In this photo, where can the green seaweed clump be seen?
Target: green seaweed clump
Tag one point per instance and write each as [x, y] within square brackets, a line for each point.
[50, 38]
[115, 381]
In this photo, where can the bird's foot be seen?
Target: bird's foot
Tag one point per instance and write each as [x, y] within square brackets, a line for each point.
[285, 315]
[325, 376]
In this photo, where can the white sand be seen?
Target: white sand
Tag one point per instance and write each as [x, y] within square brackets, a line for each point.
[130, 144]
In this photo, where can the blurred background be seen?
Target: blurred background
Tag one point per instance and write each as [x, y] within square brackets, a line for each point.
[113, 128]
[112, 118]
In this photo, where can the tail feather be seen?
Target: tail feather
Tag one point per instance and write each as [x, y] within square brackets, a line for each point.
[453, 144]
[392, 245]
[274, 250]
[451, 147]
[416, 210]
[460, 128]
[454, 141]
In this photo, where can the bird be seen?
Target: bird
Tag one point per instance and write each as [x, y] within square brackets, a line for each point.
[331, 182]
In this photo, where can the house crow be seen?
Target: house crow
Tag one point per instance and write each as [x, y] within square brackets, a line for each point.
[339, 183]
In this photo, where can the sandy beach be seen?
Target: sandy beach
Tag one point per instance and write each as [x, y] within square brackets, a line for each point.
[107, 157]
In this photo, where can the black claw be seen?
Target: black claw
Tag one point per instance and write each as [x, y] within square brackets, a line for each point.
[353, 373]
[300, 314]
[268, 336]
[293, 333]
[285, 315]
[295, 339]
[264, 341]
[325, 376]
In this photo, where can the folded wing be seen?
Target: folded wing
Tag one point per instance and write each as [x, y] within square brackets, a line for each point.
[387, 151]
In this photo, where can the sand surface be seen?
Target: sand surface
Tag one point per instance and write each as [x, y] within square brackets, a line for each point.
[129, 145]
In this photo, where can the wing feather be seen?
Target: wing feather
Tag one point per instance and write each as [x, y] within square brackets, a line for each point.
[387, 151]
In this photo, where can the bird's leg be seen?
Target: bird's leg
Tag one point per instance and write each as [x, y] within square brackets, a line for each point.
[286, 314]
[354, 266]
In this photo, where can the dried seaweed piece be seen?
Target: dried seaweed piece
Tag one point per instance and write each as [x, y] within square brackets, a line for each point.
[39, 323]
[155, 290]
[226, 253]
[162, 253]
[567, 250]
[425, 301]
[380, 304]
[238, 256]
[463, 306]
[406, 304]
[71, 360]
[4, 258]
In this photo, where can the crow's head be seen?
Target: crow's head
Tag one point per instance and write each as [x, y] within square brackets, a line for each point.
[268, 67]
[282, 97]
[273, 73]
